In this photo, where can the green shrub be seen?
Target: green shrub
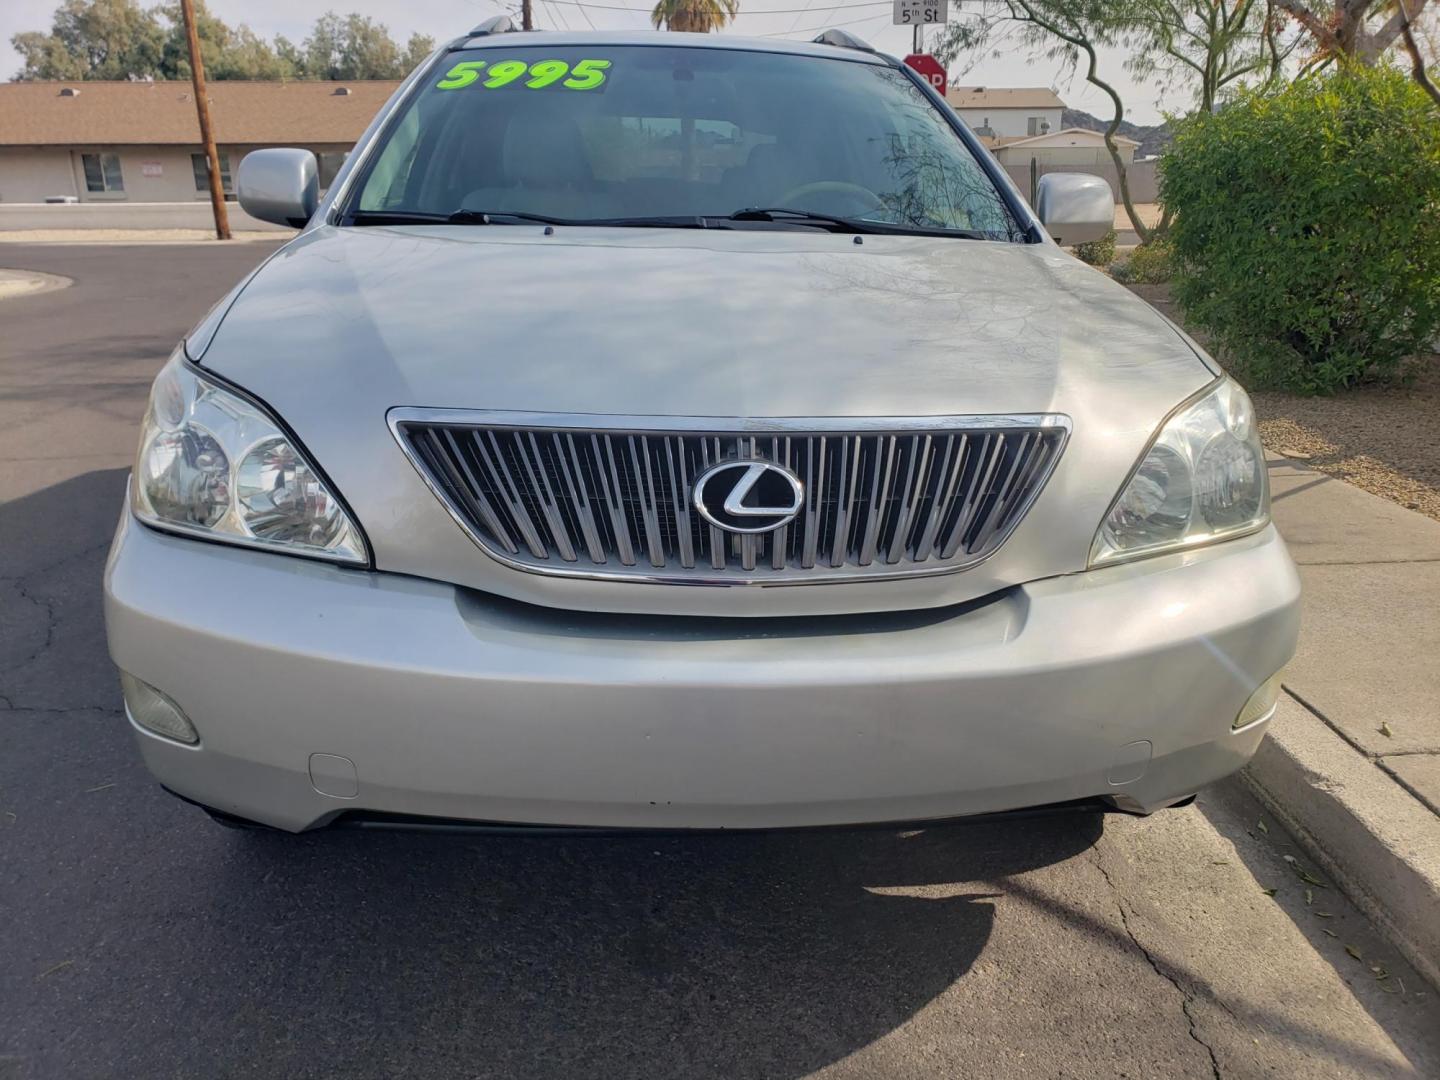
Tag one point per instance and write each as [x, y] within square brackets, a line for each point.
[1306, 232]
[1148, 264]
[1098, 252]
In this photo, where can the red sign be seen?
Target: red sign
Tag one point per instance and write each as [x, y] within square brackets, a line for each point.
[929, 69]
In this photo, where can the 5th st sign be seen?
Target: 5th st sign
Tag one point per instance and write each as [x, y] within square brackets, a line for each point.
[921, 12]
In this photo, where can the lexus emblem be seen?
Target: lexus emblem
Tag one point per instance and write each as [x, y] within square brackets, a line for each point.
[748, 496]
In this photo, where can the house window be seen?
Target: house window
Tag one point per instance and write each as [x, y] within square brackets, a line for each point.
[330, 162]
[201, 168]
[1035, 125]
[102, 172]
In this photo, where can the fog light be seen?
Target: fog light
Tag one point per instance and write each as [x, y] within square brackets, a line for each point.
[1261, 703]
[155, 712]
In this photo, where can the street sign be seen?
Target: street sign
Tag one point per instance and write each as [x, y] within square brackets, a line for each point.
[929, 69]
[920, 12]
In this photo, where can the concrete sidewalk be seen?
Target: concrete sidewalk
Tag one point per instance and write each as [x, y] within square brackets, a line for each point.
[144, 216]
[1352, 764]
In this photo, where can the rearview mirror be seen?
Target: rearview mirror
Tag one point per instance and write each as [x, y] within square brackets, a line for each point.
[1075, 208]
[279, 185]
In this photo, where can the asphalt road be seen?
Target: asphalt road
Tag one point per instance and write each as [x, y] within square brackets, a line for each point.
[137, 939]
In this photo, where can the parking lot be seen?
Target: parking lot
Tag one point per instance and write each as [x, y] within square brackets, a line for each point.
[141, 940]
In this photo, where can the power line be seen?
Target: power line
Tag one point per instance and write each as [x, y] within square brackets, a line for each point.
[827, 26]
[585, 10]
[800, 15]
[557, 15]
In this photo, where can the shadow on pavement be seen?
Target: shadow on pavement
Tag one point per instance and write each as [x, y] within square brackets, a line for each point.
[142, 940]
[52, 558]
[723, 956]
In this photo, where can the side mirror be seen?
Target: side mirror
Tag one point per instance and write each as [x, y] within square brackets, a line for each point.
[1075, 208]
[279, 185]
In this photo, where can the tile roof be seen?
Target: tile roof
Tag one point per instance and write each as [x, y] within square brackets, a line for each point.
[994, 141]
[163, 113]
[1003, 97]
[1072, 136]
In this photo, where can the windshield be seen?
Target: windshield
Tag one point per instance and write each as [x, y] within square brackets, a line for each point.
[607, 133]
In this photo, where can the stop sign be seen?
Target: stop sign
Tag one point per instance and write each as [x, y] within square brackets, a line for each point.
[929, 69]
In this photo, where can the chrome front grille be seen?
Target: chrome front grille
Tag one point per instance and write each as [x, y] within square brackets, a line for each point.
[612, 497]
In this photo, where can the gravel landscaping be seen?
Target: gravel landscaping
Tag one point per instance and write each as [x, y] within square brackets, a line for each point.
[1385, 440]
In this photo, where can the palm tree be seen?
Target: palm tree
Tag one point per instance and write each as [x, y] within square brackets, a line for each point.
[696, 16]
[699, 17]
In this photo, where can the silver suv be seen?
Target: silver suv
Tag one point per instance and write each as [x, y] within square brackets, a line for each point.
[672, 431]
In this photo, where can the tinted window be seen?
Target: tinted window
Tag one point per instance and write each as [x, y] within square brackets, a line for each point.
[329, 164]
[201, 168]
[678, 131]
[102, 172]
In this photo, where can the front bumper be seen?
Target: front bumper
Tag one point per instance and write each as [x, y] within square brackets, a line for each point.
[1120, 683]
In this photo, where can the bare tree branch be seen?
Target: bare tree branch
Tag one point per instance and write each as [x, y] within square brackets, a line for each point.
[1077, 39]
[1417, 61]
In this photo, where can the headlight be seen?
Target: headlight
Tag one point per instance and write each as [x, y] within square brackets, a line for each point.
[1202, 479]
[212, 463]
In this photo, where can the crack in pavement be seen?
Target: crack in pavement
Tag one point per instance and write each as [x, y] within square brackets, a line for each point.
[36, 571]
[48, 610]
[1186, 998]
[38, 710]
[21, 585]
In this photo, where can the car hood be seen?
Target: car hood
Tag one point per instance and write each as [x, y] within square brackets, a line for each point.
[344, 324]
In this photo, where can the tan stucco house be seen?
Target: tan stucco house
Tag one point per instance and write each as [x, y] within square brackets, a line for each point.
[1072, 146]
[1007, 112]
[140, 141]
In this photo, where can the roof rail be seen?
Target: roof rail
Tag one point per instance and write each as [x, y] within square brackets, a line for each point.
[497, 24]
[843, 39]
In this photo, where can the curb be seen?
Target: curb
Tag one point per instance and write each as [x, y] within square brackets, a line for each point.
[131, 237]
[1378, 843]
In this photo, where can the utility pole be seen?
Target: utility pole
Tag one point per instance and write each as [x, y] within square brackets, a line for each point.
[202, 109]
[527, 22]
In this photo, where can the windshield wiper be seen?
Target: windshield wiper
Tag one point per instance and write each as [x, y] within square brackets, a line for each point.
[459, 217]
[396, 217]
[849, 225]
[498, 217]
[785, 213]
[508, 217]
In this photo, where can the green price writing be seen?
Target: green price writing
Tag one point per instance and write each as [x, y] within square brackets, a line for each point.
[585, 75]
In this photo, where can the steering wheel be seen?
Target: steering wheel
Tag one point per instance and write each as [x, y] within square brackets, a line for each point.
[867, 199]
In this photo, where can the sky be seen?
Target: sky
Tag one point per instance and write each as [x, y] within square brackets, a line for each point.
[800, 19]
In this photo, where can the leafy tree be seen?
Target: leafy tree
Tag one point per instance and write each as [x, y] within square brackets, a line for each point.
[118, 39]
[416, 50]
[1306, 240]
[357, 47]
[227, 54]
[1068, 30]
[1358, 29]
[696, 16]
[1209, 45]
[289, 54]
[94, 39]
[248, 56]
